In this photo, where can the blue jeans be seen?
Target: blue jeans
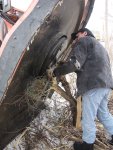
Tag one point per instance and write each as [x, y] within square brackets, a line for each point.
[94, 104]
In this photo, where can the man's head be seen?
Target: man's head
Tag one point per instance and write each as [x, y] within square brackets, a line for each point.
[82, 33]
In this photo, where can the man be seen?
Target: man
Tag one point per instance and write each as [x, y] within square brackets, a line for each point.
[90, 61]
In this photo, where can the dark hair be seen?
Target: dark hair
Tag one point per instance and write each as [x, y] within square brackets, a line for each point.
[89, 33]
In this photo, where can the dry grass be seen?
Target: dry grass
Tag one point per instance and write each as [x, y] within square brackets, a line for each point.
[36, 91]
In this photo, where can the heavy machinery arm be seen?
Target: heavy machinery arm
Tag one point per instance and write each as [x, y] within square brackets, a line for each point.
[28, 49]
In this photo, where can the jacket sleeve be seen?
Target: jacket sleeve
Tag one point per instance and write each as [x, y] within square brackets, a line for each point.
[76, 61]
[64, 69]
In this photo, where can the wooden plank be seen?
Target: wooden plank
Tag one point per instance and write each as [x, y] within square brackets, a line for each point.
[79, 113]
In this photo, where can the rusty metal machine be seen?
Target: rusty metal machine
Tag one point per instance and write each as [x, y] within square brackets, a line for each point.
[33, 43]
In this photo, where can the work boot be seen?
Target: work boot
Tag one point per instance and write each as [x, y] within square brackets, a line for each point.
[111, 141]
[83, 146]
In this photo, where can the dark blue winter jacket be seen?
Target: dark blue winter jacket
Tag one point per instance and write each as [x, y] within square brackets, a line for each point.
[94, 71]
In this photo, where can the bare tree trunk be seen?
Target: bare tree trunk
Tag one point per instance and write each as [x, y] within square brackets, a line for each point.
[106, 25]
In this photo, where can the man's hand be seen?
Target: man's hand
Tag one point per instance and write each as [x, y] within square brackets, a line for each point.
[50, 73]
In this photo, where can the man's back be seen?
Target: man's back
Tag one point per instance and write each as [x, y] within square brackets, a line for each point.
[96, 71]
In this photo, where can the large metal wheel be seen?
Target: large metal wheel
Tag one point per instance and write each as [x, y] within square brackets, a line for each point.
[30, 48]
[55, 46]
